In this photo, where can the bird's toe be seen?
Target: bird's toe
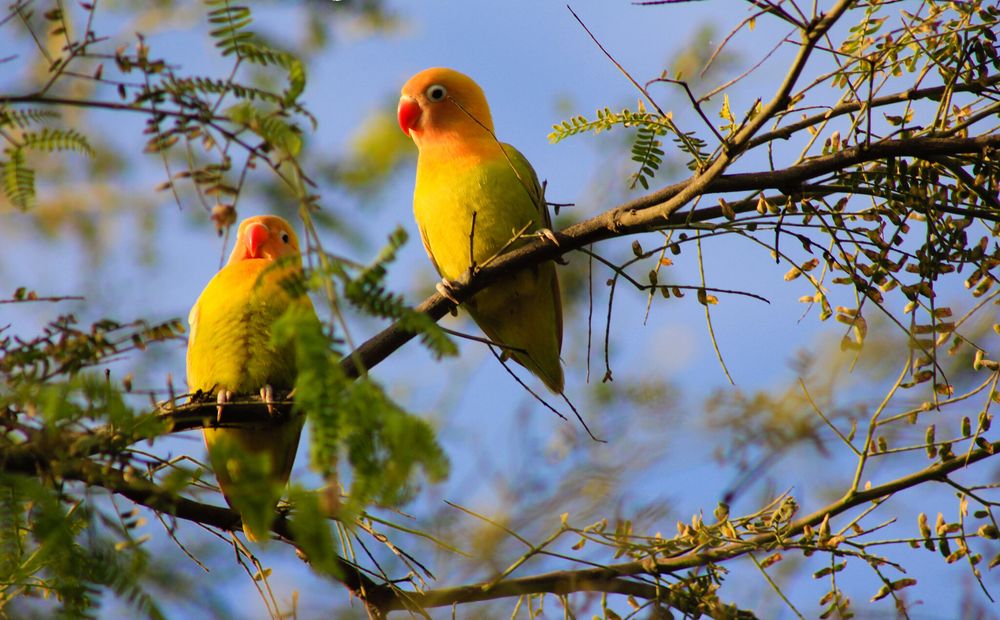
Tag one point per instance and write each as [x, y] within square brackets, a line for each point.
[267, 395]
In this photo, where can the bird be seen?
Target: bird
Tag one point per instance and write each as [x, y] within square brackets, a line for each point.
[474, 197]
[230, 351]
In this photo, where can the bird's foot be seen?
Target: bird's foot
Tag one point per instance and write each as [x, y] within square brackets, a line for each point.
[221, 399]
[267, 395]
[446, 288]
[548, 234]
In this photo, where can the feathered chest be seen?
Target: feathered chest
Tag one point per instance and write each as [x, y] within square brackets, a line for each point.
[469, 207]
[230, 345]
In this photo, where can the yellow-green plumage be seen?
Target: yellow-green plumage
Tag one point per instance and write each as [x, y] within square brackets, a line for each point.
[230, 344]
[230, 349]
[463, 171]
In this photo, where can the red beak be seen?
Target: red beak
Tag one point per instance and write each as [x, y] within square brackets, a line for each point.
[408, 113]
[256, 236]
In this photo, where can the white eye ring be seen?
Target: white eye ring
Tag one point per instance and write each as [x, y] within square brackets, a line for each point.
[436, 92]
[284, 237]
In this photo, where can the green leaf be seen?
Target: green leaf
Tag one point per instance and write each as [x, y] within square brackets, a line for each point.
[281, 135]
[311, 526]
[367, 292]
[385, 446]
[25, 117]
[19, 181]
[49, 140]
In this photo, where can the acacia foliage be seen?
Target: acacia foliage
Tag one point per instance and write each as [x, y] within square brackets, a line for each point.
[877, 188]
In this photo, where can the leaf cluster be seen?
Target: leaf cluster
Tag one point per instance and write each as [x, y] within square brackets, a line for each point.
[61, 424]
[879, 194]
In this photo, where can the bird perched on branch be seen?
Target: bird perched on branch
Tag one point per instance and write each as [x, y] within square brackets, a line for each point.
[474, 198]
[231, 352]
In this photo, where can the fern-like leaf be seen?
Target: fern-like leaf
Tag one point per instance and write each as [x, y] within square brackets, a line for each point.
[108, 569]
[12, 530]
[367, 292]
[647, 153]
[209, 86]
[385, 445]
[257, 53]
[230, 23]
[605, 120]
[278, 132]
[644, 151]
[19, 180]
[25, 118]
[49, 140]
[232, 37]
[694, 146]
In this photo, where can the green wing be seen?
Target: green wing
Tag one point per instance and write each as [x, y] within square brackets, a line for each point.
[529, 180]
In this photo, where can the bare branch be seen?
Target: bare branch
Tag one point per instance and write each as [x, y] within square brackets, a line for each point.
[611, 578]
[645, 214]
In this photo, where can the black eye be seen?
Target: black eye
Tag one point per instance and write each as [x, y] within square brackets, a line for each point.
[284, 237]
[436, 92]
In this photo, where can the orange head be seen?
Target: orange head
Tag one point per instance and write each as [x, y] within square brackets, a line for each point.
[267, 237]
[438, 103]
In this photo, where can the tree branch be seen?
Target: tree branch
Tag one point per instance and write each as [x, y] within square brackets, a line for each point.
[644, 214]
[915, 94]
[938, 471]
[609, 578]
[33, 459]
[41, 99]
[564, 582]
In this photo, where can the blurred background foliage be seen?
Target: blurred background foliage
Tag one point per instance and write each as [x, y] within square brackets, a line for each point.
[121, 215]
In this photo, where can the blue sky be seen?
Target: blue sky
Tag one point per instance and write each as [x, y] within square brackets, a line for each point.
[537, 66]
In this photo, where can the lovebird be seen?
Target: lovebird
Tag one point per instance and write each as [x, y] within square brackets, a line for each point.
[230, 351]
[473, 198]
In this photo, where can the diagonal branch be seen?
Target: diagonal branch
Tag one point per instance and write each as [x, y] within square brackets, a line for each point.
[562, 583]
[32, 459]
[610, 578]
[739, 142]
[644, 214]
[637, 216]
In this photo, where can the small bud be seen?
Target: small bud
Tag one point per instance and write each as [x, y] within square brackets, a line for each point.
[762, 205]
[223, 216]
[929, 441]
[727, 210]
